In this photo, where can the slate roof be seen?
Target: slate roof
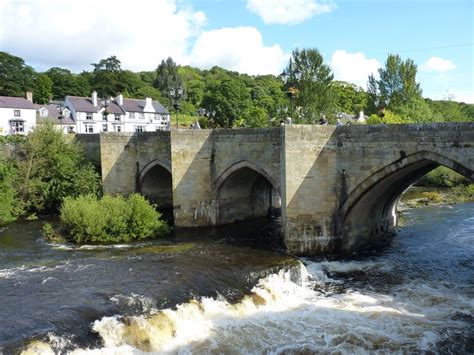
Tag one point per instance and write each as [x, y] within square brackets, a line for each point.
[84, 104]
[16, 102]
[137, 105]
[53, 116]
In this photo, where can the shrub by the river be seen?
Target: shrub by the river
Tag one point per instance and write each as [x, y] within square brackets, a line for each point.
[110, 219]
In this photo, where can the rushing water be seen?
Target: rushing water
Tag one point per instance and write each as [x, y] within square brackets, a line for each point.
[226, 295]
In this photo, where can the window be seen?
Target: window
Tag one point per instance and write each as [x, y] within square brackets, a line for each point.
[132, 114]
[117, 117]
[88, 116]
[118, 128]
[104, 128]
[70, 129]
[16, 113]
[139, 128]
[89, 128]
[17, 127]
[104, 116]
[141, 116]
[44, 112]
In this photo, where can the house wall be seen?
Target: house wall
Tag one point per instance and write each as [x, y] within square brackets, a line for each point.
[7, 114]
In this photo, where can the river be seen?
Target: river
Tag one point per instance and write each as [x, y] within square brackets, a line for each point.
[217, 292]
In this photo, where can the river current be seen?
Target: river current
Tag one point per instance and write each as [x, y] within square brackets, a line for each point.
[222, 293]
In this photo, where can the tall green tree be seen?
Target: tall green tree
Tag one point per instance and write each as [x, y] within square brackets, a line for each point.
[42, 89]
[314, 92]
[396, 84]
[107, 77]
[167, 78]
[15, 76]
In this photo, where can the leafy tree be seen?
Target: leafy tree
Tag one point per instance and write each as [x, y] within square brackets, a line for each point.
[42, 90]
[257, 117]
[15, 76]
[52, 167]
[67, 83]
[167, 77]
[315, 94]
[9, 208]
[397, 84]
[107, 77]
[449, 111]
[350, 98]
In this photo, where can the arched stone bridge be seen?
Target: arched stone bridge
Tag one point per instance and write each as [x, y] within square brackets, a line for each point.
[338, 187]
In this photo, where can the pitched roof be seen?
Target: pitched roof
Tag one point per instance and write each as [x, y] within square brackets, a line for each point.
[137, 105]
[53, 115]
[15, 102]
[84, 104]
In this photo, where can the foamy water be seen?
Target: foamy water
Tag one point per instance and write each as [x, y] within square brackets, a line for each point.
[417, 297]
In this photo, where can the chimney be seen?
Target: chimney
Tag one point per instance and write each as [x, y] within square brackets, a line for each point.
[148, 101]
[29, 96]
[119, 99]
[148, 105]
[94, 98]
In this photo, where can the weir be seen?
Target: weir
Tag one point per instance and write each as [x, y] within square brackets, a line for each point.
[337, 187]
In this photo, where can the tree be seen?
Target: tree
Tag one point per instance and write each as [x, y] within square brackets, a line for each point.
[42, 90]
[167, 77]
[67, 83]
[15, 76]
[52, 167]
[9, 208]
[350, 98]
[314, 92]
[396, 86]
[107, 77]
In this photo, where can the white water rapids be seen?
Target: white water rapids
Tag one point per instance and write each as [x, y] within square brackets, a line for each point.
[416, 297]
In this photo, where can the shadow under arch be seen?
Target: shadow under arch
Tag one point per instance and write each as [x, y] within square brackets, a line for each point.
[155, 183]
[369, 212]
[245, 191]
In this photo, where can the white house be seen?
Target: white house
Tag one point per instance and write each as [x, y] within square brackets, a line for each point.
[93, 115]
[57, 115]
[17, 115]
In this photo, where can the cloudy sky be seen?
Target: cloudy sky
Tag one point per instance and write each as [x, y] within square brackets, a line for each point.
[251, 36]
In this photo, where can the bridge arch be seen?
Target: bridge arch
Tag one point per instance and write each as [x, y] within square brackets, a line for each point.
[370, 209]
[155, 183]
[245, 191]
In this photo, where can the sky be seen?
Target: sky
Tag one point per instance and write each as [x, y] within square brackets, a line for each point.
[250, 36]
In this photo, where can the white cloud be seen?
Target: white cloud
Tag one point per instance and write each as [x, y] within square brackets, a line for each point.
[288, 12]
[240, 49]
[438, 64]
[353, 67]
[76, 33]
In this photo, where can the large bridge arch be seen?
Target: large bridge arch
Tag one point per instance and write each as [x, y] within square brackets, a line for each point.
[155, 183]
[245, 191]
[370, 209]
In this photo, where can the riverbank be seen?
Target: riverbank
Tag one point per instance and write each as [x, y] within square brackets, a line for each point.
[419, 196]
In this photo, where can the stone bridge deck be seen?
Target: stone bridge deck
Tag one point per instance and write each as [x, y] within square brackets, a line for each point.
[337, 186]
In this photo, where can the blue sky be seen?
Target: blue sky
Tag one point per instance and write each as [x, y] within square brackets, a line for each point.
[252, 36]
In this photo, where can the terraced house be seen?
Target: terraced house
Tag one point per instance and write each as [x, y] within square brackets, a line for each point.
[94, 115]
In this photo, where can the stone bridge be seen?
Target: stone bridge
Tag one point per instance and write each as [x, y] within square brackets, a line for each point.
[337, 187]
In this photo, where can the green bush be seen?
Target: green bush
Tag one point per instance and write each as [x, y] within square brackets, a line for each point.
[111, 219]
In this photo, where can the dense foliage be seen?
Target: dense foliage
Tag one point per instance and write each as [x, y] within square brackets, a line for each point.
[224, 98]
[443, 177]
[110, 219]
[46, 167]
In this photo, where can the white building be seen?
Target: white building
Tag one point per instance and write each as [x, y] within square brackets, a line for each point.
[56, 114]
[93, 115]
[17, 115]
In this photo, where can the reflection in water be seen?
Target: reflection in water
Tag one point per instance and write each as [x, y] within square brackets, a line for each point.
[198, 297]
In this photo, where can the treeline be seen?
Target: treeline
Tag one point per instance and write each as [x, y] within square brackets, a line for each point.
[231, 99]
